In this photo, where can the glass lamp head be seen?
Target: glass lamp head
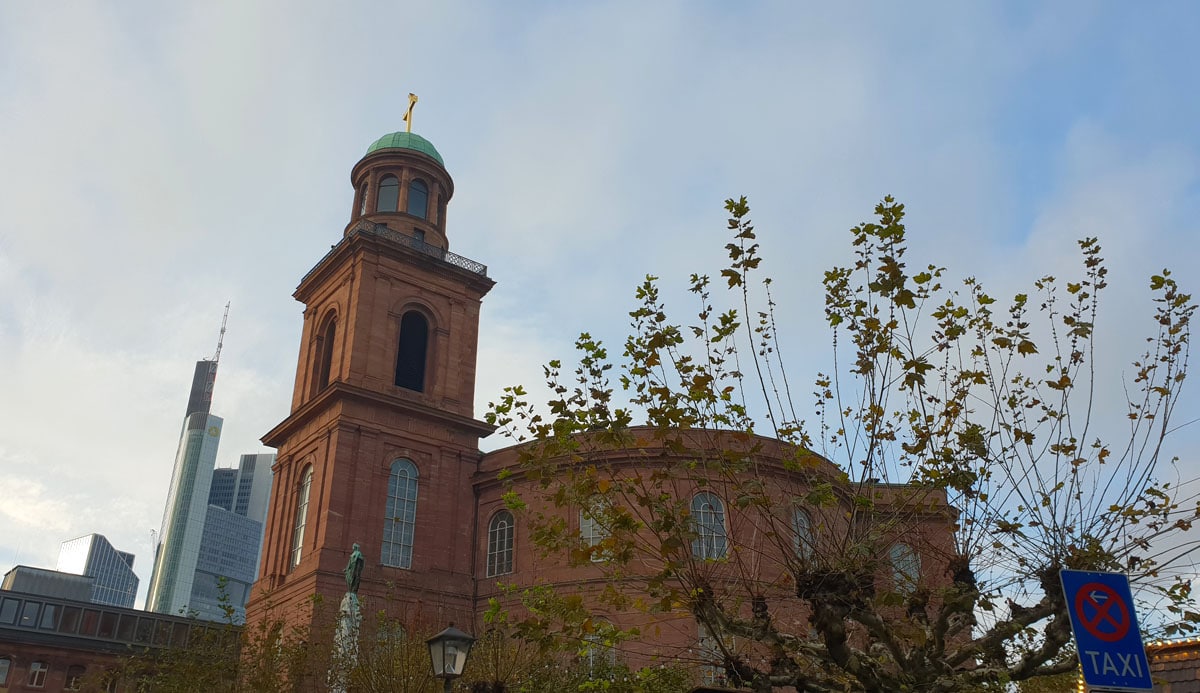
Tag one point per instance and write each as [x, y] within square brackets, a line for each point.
[448, 652]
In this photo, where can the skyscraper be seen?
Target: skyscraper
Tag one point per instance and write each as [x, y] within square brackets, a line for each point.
[178, 546]
[206, 557]
[112, 571]
[227, 564]
[244, 489]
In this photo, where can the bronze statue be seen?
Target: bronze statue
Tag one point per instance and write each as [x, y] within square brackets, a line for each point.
[354, 570]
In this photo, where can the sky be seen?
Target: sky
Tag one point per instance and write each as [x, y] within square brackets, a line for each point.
[158, 160]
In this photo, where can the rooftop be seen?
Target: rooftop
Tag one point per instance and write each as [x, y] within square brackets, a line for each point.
[405, 140]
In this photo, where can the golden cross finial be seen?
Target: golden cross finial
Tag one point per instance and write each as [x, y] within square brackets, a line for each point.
[412, 101]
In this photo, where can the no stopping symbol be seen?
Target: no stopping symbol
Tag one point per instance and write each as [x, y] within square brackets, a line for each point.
[1102, 612]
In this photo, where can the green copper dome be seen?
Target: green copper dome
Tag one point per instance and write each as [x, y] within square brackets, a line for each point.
[405, 140]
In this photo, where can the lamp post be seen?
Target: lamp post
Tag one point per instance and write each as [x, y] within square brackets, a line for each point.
[448, 651]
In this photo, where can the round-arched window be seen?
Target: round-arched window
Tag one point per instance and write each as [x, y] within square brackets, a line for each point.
[500, 544]
[708, 520]
[400, 518]
[411, 354]
[302, 495]
[389, 194]
[418, 198]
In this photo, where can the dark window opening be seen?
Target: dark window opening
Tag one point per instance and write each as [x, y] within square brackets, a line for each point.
[389, 195]
[323, 356]
[126, 627]
[179, 635]
[75, 674]
[410, 358]
[91, 619]
[418, 198]
[324, 349]
[144, 632]
[162, 633]
[70, 619]
[108, 624]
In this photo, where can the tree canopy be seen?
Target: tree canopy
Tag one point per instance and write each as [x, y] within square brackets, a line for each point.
[908, 535]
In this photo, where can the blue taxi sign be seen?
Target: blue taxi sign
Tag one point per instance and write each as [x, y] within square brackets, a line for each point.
[1106, 631]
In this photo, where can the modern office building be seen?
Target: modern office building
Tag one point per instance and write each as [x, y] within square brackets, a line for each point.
[207, 551]
[244, 489]
[227, 564]
[114, 582]
[178, 542]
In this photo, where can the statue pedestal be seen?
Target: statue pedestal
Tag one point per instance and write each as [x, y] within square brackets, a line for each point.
[345, 642]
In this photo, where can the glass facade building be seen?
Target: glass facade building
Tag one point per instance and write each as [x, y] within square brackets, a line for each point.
[232, 538]
[226, 566]
[183, 518]
[114, 584]
[223, 489]
[245, 489]
[207, 553]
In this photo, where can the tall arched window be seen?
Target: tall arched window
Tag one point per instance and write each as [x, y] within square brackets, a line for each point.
[5, 665]
[802, 534]
[302, 494]
[324, 354]
[598, 653]
[401, 516]
[708, 519]
[362, 200]
[418, 198]
[592, 528]
[410, 357]
[388, 199]
[906, 567]
[500, 544]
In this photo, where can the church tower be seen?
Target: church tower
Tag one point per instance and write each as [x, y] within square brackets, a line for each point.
[381, 442]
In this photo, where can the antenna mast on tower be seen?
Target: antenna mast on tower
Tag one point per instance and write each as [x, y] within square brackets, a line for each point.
[221, 337]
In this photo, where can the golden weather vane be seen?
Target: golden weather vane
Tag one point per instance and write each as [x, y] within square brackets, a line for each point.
[412, 101]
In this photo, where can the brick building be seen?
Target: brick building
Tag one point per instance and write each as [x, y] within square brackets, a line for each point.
[381, 419]
[381, 447]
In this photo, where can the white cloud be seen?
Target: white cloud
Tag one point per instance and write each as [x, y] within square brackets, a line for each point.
[161, 160]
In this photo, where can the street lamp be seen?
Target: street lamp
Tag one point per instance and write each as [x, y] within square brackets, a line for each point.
[448, 651]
